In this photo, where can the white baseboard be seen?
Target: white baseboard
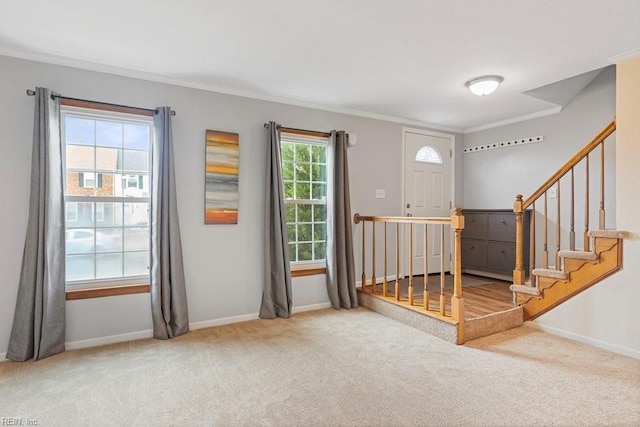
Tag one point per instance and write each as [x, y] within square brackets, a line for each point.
[111, 339]
[253, 316]
[222, 321]
[587, 340]
[312, 307]
[94, 342]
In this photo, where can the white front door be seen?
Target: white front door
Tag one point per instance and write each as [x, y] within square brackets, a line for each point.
[427, 188]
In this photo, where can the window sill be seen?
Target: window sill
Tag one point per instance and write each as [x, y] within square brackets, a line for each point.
[107, 291]
[308, 272]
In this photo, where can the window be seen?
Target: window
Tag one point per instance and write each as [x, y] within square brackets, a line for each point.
[429, 154]
[107, 198]
[304, 173]
[90, 180]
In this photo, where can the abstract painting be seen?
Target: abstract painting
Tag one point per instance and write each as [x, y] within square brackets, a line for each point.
[221, 178]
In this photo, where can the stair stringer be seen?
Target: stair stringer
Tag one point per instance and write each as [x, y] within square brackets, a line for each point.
[582, 274]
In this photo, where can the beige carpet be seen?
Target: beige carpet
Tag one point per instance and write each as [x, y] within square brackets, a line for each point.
[330, 368]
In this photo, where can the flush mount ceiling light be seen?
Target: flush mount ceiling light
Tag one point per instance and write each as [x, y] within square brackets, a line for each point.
[484, 85]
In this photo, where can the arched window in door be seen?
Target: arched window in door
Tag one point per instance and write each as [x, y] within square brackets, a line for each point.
[428, 154]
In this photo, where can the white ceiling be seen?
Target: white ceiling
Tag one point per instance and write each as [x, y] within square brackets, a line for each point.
[404, 60]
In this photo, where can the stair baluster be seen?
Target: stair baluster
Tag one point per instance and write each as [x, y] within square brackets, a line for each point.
[442, 304]
[411, 264]
[373, 257]
[384, 280]
[558, 227]
[545, 247]
[601, 213]
[586, 205]
[364, 262]
[572, 231]
[425, 292]
[532, 243]
[397, 284]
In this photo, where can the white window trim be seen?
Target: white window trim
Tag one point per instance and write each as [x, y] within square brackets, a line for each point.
[309, 140]
[119, 118]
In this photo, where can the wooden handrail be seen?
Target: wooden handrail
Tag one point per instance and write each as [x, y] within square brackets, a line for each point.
[403, 219]
[456, 224]
[521, 205]
[608, 130]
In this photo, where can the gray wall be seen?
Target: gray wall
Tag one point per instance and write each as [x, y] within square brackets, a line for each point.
[492, 178]
[603, 315]
[223, 263]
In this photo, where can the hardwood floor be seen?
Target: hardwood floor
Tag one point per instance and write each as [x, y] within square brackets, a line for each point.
[481, 295]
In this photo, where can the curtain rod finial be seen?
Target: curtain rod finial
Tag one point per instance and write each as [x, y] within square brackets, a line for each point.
[31, 92]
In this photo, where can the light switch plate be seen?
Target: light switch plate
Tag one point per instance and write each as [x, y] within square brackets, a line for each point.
[380, 194]
[553, 192]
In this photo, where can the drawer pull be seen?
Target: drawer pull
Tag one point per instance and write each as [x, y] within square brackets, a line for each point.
[501, 251]
[503, 221]
[472, 247]
[473, 220]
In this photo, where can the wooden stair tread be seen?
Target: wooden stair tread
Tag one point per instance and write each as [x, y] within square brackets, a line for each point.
[548, 272]
[609, 234]
[587, 256]
[524, 289]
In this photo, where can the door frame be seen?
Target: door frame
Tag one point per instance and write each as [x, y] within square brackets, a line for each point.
[452, 146]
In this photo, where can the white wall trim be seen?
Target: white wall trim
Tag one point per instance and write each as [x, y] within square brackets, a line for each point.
[111, 339]
[312, 307]
[587, 340]
[523, 118]
[222, 321]
[131, 336]
[624, 57]
[168, 79]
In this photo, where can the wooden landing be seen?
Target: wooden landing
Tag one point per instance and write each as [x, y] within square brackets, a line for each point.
[487, 303]
[480, 299]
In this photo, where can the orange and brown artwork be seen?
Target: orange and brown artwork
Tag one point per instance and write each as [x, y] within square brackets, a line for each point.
[221, 178]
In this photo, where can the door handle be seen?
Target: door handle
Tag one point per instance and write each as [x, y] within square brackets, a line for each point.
[409, 214]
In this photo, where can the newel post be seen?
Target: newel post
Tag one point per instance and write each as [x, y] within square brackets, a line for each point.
[518, 273]
[457, 302]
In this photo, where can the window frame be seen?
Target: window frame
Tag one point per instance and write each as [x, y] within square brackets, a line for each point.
[92, 288]
[316, 266]
[428, 149]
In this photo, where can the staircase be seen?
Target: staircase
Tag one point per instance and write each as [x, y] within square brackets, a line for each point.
[450, 313]
[580, 270]
[574, 270]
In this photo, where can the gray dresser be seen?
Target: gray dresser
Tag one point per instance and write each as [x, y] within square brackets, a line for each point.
[489, 242]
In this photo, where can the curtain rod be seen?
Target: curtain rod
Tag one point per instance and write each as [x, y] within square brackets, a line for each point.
[302, 131]
[33, 93]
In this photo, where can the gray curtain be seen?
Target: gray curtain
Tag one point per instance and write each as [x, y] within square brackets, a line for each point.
[39, 321]
[276, 295]
[168, 289]
[341, 282]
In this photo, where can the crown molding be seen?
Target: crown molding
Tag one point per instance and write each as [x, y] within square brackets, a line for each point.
[168, 79]
[524, 117]
[625, 56]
